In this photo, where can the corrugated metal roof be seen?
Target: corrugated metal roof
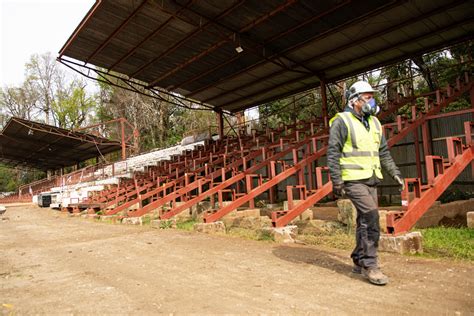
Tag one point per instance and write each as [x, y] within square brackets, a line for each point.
[188, 47]
[46, 147]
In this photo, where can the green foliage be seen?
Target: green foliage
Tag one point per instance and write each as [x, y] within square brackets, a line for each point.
[73, 106]
[11, 178]
[446, 242]
[304, 106]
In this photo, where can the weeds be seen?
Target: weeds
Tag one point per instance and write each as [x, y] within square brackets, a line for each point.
[166, 224]
[265, 235]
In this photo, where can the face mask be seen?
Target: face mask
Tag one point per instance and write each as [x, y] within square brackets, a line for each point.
[370, 107]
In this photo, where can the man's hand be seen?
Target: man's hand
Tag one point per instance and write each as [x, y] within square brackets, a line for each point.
[338, 190]
[400, 181]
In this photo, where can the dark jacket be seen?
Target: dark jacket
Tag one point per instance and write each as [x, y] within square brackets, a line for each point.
[337, 137]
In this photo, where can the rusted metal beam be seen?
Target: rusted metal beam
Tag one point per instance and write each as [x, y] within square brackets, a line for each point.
[436, 109]
[191, 186]
[234, 179]
[265, 186]
[303, 205]
[419, 206]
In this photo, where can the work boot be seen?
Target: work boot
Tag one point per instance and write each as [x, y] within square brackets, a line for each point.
[356, 269]
[375, 276]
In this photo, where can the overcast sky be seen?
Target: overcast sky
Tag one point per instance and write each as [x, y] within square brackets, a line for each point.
[30, 27]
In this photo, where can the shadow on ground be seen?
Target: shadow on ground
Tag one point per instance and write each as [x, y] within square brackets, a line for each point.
[317, 257]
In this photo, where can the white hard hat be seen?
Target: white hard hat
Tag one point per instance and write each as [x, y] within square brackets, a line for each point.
[358, 88]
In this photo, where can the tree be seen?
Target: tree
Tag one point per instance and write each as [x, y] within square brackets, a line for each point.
[19, 101]
[42, 72]
[72, 106]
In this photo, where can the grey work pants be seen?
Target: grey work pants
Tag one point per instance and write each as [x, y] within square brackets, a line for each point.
[364, 198]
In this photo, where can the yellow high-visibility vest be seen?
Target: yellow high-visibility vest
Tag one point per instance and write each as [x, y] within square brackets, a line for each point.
[360, 154]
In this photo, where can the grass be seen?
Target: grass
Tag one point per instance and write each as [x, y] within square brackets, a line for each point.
[448, 242]
[339, 239]
[261, 235]
[146, 220]
[186, 225]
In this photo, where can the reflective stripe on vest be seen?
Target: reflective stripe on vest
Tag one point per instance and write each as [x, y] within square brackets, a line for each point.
[360, 153]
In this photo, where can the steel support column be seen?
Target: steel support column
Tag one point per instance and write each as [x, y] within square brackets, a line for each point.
[220, 124]
[324, 103]
[122, 135]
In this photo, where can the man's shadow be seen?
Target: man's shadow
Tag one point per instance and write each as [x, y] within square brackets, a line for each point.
[317, 257]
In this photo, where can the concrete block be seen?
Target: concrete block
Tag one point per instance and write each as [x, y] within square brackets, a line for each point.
[285, 234]
[327, 213]
[347, 212]
[449, 214]
[406, 243]
[285, 204]
[132, 221]
[230, 221]
[273, 206]
[470, 219]
[210, 228]
[383, 220]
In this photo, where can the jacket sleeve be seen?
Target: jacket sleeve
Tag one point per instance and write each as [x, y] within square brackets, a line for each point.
[386, 159]
[337, 138]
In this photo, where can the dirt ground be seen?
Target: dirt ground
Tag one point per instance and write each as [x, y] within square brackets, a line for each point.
[51, 263]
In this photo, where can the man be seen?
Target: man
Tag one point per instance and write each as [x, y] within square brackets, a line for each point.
[357, 150]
